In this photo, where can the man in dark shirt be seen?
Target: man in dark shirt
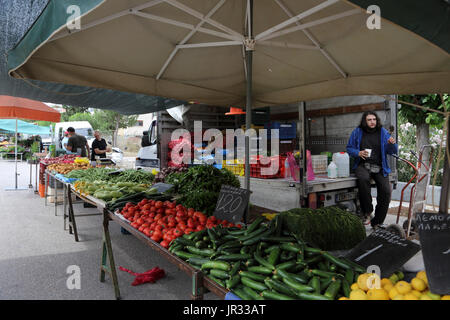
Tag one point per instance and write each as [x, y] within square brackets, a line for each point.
[99, 146]
[370, 143]
[77, 143]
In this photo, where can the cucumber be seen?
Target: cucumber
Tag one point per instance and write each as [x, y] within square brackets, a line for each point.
[200, 244]
[252, 293]
[211, 234]
[238, 232]
[197, 261]
[217, 280]
[228, 237]
[241, 293]
[313, 260]
[175, 246]
[287, 255]
[271, 248]
[274, 256]
[185, 242]
[325, 274]
[256, 238]
[333, 289]
[311, 296]
[278, 239]
[356, 267]
[321, 265]
[349, 275]
[278, 220]
[234, 257]
[185, 255]
[229, 244]
[260, 269]
[251, 275]
[201, 252]
[222, 265]
[244, 250]
[221, 274]
[298, 276]
[256, 285]
[263, 262]
[297, 285]
[315, 283]
[346, 288]
[272, 295]
[288, 265]
[232, 282]
[235, 268]
[325, 282]
[290, 246]
[339, 262]
[250, 262]
[280, 287]
[254, 224]
[230, 250]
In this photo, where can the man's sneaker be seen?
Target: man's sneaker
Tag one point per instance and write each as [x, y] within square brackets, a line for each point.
[368, 218]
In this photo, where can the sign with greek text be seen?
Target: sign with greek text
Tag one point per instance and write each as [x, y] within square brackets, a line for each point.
[434, 234]
[232, 203]
[384, 249]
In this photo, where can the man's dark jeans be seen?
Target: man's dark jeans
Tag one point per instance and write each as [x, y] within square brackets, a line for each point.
[365, 198]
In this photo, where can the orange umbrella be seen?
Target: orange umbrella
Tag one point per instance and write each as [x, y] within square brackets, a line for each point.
[20, 108]
[15, 108]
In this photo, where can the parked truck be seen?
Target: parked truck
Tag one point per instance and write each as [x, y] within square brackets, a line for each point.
[321, 125]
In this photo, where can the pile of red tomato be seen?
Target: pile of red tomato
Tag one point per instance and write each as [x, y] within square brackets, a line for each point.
[166, 221]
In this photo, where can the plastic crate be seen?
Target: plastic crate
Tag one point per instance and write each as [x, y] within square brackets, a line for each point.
[255, 168]
[235, 166]
[319, 163]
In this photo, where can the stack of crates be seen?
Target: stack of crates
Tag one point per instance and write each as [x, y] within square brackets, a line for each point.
[256, 168]
[236, 166]
[42, 168]
[319, 163]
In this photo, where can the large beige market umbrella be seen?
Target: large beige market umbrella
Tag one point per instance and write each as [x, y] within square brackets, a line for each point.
[234, 52]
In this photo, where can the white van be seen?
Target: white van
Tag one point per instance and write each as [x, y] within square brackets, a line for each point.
[83, 128]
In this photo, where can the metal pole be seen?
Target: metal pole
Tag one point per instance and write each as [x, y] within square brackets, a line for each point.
[15, 155]
[248, 109]
[445, 189]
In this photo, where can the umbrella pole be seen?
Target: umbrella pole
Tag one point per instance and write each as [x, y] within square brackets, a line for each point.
[248, 109]
[15, 163]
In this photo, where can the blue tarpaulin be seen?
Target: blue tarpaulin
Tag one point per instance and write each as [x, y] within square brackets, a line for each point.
[23, 127]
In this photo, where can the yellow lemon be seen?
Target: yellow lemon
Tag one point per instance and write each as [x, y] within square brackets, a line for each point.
[416, 293]
[425, 297]
[399, 297]
[343, 298]
[362, 281]
[410, 296]
[403, 287]
[377, 294]
[418, 284]
[385, 281]
[388, 287]
[358, 294]
[446, 297]
[422, 275]
[392, 293]
[354, 286]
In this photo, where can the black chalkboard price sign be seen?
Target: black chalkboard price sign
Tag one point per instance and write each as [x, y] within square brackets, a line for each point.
[232, 203]
[384, 249]
[434, 234]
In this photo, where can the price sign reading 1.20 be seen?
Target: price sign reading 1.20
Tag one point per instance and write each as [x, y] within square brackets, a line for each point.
[232, 203]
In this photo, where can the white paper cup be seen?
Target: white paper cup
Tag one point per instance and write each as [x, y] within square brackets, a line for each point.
[369, 151]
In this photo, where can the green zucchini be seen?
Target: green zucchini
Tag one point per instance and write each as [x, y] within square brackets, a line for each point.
[311, 296]
[250, 262]
[339, 262]
[315, 283]
[290, 246]
[217, 280]
[235, 268]
[197, 261]
[325, 274]
[185, 242]
[278, 239]
[346, 288]
[288, 265]
[349, 275]
[256, 238]
[272, 295]
[228, 251]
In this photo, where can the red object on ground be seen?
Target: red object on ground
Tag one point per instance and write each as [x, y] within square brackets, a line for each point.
[151, 275]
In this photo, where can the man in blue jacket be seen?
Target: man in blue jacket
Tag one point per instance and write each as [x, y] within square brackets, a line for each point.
[370, 144]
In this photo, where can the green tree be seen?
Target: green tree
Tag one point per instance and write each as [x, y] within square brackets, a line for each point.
[85, 116]
[111, 121]
[423, 119]
[70, 111]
